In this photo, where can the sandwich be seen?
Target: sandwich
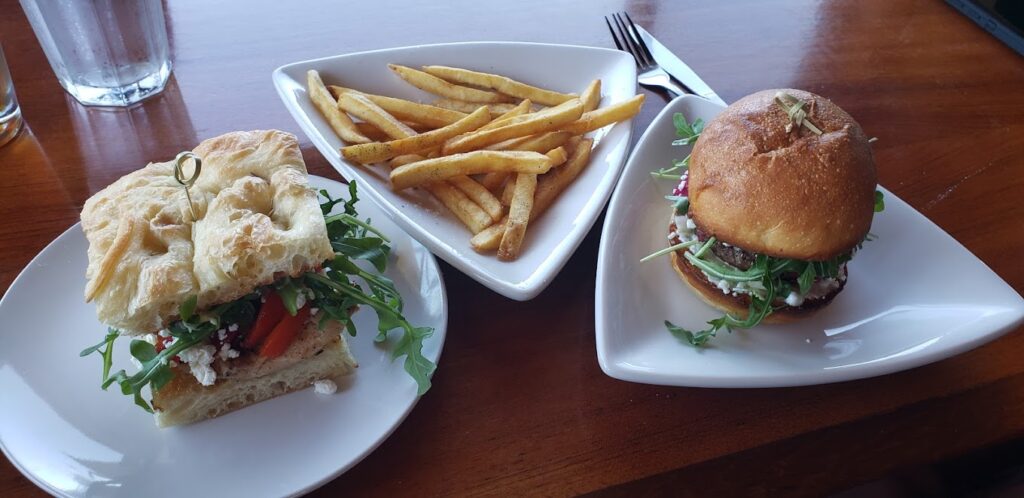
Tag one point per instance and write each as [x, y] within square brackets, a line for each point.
[779, 194]
[232, 279]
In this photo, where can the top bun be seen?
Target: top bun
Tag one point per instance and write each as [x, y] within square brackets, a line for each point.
[258, 220]
[785, 194]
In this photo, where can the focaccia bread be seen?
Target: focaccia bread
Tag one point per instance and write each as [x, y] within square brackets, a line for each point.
[314, 355]
[257, 221]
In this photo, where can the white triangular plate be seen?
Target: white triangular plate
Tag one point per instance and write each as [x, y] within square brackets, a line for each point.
[555, 235]
[914, 296]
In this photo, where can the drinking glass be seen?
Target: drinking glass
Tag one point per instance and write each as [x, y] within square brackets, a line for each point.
[104, 52]
[10, 113]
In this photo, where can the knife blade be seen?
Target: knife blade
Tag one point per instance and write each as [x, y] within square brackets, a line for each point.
[677, 68]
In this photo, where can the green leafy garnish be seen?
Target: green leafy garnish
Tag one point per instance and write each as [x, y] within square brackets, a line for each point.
[108, 350]
[879, 201]
[680, 203]
[770, 273]
[688, 133]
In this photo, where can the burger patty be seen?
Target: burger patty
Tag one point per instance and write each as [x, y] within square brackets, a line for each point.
[743, 260]
[743, 300]
[733, 255]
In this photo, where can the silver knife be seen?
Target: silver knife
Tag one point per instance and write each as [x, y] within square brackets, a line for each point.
[677, 68]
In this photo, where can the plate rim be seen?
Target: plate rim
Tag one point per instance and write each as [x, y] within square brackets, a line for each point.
[542, 275]
[613, 366]
[440, 335]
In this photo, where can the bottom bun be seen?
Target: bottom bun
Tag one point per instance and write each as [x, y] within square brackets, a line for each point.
[739, 305]
[184, 400]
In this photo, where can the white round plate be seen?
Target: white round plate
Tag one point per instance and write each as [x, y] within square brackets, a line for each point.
[73, 439]
[914, 296]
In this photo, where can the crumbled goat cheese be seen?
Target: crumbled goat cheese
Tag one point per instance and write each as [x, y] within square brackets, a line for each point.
[199, 359]
[164, 333]
[313, 311]
[222, 334]
[226, 352]
[325, 386]
[233, 327]
[300, 300]
[794, 299]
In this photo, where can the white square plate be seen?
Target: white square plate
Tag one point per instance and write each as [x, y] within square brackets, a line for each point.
[553, 237]
[914, 296]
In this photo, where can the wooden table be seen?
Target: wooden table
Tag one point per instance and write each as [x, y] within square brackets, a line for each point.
[519, 404]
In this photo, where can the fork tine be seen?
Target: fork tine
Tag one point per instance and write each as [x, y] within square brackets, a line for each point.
[614, 37]
[628, 41]
[639, 41]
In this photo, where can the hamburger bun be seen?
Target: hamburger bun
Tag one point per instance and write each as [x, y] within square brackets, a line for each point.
[792, 194]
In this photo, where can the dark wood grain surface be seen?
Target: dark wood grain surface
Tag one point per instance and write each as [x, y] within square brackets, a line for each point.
[519, 404]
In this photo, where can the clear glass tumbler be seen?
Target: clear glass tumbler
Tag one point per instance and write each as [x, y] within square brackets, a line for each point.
[10, 113]
[104, 52]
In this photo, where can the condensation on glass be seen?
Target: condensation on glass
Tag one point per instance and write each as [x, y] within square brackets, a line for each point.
[104, 52]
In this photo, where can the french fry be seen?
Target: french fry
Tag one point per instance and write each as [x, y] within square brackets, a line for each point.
[404, 159]
[508, 192]
[406, 110]
[557, 156]
[494, 180]
[375, 134]
[363, 108]
[381, 151]
[470, 214]
[480, 195]
[502, 84]
[470, 163]
[496, 110]
[549, 186]
[437, 86]
[591, 96]
[339, 121]
[519, 126]
[541, 143]
[605, 116]
[537, 143]
[518, 217]
[519, 110]
[454, 198]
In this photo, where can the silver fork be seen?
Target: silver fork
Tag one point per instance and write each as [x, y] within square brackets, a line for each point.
[650, 74]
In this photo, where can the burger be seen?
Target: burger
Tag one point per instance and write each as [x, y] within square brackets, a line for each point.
[779, 194]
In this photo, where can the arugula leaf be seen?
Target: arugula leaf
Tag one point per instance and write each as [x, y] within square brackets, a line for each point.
[680, 203]
[688, 133]
[108, 352]
[188, 307]
[289, 292]
[879, 201]
[698, 339]
[806, 279]
[371, 249]
[354, 239]
[334, 285]
[327, 206]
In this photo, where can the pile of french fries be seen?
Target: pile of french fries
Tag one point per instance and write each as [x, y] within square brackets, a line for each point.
[496, 152]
